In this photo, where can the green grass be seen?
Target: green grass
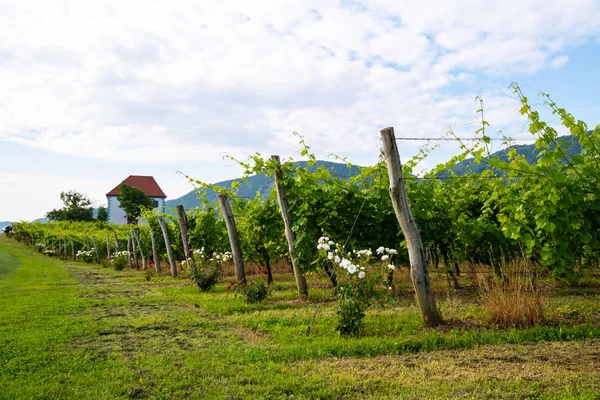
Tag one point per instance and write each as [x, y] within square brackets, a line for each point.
[70, 330]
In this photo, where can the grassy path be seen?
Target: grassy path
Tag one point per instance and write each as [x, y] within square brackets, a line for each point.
[69, 330]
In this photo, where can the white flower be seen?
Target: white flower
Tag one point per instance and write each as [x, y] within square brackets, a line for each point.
[392, 267]
[345, 263]
[323, 240]
[330, 256]
[351, 269]
[384, 257]
[337, 259]
[392, 251]
[323, 246]
[331, 242]
[361, 274]
[380, 250]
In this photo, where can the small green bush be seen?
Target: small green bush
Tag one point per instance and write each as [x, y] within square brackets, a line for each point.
[120, 260]
[256, 289]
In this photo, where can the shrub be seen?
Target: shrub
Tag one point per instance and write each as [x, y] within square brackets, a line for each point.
[120, 260]
[256, 289]
[514, 299]
[86, 255]
[362, 277]
[204, 270]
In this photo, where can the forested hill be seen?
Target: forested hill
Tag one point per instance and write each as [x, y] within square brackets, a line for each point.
[470, 166]
[257, 183]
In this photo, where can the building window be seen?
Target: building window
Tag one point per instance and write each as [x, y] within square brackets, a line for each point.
[155, 203]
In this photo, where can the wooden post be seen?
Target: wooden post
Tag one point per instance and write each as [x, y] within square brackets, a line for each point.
[416, 251]
[66, 247]
[183, 227]
[87, 243]
[116, 241]
[107, 247]
[155, 252]
[129, 251]
[168, 246]
[96, 249]
[234, 240]
[139, 246]
[135, 260]
[289, 234]
[72, 250]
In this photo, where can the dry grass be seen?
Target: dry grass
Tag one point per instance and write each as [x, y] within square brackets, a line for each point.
[513, 300]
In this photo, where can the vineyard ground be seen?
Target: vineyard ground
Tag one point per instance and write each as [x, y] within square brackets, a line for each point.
[72, 330]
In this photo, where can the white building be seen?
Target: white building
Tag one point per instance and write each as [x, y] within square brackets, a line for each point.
[146, 184]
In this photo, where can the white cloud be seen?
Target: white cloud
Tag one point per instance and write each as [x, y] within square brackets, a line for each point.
[559, 61]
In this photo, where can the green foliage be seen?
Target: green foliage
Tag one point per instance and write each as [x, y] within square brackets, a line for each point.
[76, 207]
[205, 270]
[133, 200]
[362, 283]
[102, 214]
[256, 289]
[120, 260]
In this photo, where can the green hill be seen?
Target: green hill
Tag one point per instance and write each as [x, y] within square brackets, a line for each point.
[529, 151]
[257, 183]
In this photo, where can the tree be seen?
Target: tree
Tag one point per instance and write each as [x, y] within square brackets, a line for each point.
[102, 214]
[133, 201]
[77, 207]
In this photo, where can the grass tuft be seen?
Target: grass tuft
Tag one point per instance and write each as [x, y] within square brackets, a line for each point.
[513, 300]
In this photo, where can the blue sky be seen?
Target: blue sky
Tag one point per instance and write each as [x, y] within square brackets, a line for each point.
[93, 92]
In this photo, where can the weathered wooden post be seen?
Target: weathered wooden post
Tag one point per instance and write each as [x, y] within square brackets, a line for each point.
[135, 260]
[234, 240]
[72, 250]
[129, 252]
[107, 247]
[289, 234]
[155, 252]
[183, 227]
[116, 241]
[96, 250]
[416, 251]
[168, 246]
[87, 243]
[139, 246]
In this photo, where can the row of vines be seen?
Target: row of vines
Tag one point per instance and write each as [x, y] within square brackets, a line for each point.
[547, 212]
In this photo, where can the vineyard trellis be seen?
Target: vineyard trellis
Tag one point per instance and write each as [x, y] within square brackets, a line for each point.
[547, 211]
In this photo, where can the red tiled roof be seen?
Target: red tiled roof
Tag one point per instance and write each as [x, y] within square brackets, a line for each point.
[145, 183]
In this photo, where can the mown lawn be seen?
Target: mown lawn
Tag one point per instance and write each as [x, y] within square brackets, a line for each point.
[71, 330]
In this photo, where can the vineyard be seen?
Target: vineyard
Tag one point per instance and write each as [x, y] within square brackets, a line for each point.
[327, 265]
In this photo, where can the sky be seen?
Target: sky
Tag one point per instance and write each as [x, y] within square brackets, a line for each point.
[92, 92]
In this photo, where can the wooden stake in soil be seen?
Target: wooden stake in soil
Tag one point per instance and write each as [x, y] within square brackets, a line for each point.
[234, 240]
[416, 251]
[129, 252]
[96, 249]
[135, 260]
[183, 227]
[155, 256]
[289, 234]
[107, 247]
[136, 233]
[72, 250]
[116, 241]
[168, 246]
